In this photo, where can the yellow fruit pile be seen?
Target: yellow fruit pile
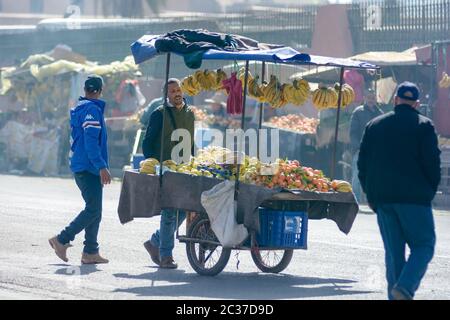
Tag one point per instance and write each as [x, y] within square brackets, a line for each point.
[341, 186]
[148, 166]
[445, 82]
[203, 80]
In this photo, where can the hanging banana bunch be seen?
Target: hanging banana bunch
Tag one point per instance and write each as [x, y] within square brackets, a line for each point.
[190, 86]
[273, 93]
[445, 82]
[254, 90]
[348, 94]
[325, 98]
[298, 93]
[220, 76]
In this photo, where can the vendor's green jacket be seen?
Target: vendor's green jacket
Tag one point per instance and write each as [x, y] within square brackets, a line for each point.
[180, 119]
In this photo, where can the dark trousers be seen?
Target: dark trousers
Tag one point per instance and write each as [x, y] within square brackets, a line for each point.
[401, 225]
[88, 219]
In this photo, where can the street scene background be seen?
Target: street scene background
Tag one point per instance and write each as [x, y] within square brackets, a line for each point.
[408, 39]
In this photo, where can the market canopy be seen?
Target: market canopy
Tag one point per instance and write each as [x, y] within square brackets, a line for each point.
[380, 58]
[147, 48]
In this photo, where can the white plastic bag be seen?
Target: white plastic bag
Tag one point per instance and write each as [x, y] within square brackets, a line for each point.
[221, 208]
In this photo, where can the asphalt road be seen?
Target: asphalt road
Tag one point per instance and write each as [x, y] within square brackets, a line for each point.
[335, 266]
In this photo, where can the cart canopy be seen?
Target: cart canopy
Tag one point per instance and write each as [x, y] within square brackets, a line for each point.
[193, 51]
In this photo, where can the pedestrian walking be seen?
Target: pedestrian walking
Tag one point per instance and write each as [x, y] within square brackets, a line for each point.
[89, 164]
[399, 170]
[361, 116]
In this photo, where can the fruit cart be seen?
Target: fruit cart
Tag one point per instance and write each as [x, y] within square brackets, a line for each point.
[276, 218]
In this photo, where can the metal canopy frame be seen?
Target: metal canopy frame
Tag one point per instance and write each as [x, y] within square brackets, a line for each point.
[342, 66]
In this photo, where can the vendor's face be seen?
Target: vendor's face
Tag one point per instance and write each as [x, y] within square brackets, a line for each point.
[371, 100]
[175, 94]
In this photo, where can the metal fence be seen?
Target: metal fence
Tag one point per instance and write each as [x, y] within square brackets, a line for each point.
[396, 25]
[293, 26]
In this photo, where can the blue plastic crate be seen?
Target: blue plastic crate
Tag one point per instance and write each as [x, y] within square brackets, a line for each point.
[283, 229]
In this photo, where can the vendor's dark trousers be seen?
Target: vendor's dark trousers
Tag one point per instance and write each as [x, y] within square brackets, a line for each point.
[88, 219]
[401, 225]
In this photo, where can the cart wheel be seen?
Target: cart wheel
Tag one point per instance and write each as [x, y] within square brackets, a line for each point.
[205, 259]
[272, 261]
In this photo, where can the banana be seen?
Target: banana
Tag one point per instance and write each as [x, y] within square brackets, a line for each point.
[348, 94]
[199, 76]
[220, 76]
[254, 89]
[190, 86]
[333, 98]
[210, 79]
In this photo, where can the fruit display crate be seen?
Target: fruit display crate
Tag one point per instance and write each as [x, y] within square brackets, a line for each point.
[283, 229]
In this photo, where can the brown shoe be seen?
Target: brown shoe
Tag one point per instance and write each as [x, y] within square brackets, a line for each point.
[93, 259]
[168, 263]
[153, 251]
[60, 249]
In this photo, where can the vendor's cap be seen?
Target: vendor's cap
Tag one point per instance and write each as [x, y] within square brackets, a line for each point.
[408, 91]
[93, 83]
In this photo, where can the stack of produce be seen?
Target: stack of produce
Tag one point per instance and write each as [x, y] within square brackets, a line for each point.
[221, 163]
[445, 82]
[148, 166]
[199, 114]
[295, 123]
[44, 83]
[223, 122]
[327, 97]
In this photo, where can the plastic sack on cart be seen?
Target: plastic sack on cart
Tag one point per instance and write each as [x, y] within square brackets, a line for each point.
[221, 208]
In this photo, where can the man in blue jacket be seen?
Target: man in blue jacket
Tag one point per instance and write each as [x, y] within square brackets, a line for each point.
[89, 163]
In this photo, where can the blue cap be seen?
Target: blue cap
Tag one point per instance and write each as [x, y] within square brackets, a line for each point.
[93, 83]
[408, 91]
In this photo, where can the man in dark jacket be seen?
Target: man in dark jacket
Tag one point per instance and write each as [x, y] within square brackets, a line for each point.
[178, 116]
[89, 163]
[360, 118]
[399, 169]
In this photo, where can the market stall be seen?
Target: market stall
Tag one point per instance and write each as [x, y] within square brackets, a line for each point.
[46, 86]
[283, 194]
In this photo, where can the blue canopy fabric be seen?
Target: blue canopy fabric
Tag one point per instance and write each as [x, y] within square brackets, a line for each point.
[144, 49]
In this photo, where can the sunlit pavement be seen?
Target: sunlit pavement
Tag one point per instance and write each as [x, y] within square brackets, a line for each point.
[335, 266]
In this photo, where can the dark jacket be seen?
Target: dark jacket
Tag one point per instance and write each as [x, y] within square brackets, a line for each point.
[360, 118]
[184, 119]
[399, 159]
[194, 43]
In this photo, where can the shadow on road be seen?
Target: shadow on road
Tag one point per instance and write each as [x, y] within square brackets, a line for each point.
[82, 270]
[251, 286]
